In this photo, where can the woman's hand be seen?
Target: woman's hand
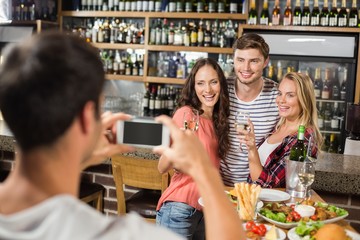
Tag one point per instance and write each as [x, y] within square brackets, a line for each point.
[247, 137]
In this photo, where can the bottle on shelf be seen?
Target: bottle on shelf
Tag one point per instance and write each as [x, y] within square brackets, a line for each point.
[333, 15]
[324, 15]
[133, 5]
[321, 116]
[200, 6]
[287, 14]
[325, 94]
[353, 15]
[211, 6]
[305, 15]
[279, 71]
[342, 15]
[252, 13]
[200, 35]
[146, 99]
[297, 14]
[335, 87]
[315, 14]
[327, 116]
[157, 6]
[333, 148]
[264, 15]
[180, 5]
[298, 151]
[234, 6]
[152, 101]
[343, 86]
[172, 6]
[275, 19]
[318, 83]
[335, 119]
[157, 101]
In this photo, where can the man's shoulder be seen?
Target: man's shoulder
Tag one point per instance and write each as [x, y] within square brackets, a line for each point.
[270, 85]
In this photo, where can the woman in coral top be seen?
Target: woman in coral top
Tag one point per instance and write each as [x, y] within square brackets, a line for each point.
[206, 91]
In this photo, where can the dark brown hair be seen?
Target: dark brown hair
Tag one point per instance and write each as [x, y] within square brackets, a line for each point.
[221, 109]
[252, 41]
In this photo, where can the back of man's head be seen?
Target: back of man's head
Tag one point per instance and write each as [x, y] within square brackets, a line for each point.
[252, 41]
[45, 83]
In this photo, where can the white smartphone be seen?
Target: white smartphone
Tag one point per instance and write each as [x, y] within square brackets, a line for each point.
[142, 132]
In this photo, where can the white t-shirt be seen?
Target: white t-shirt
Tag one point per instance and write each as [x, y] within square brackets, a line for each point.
[265, 150]
[65, 217]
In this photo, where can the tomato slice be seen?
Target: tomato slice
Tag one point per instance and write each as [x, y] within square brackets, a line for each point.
[249, 225]
[262, 229]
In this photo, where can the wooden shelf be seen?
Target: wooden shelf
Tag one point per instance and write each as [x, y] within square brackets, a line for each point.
[168, 48]
[124, 77]
[154, 15]
[165, 80]
[118, 46]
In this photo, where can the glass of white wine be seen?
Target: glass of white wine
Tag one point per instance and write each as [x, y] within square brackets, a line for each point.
[191, 120]
[241, 123]
[306, 173]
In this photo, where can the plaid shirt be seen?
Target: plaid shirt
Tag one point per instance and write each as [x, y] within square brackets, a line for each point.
[273, 173]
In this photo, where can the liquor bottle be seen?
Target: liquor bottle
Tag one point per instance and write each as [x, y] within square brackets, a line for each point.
[324, 15]
[353, 15]
[144, 6]
[325, 145]
[321, 116]
[221, 6]
[207, 35]
[315, 14]
[334, 119]
[122, 64]
[122, 5]
[298, 151]
[188, 6]
[111, 5]
[342, 16]
[333, 144]
[180, 5]
[152, 101]
[305, 15]
[157, 106]
[200, 6]
[264, 15]
[172, 6]
[252, 13]
[275, 20]
[116, 5]
[157, 5]
[297, 14]
[287, 16]
[151, 6]
[271, 73]
[212, 6]
[193, 35]
[164, 32]
[234, 6]
[318, 83]
[146, 100]
[327, 116]
[343, 86]
[333, 15]
[279, 71]
[128, 66]
[200, 34]
[335, 88]
[158, 32]
[128, 5]
[133, 5]
[326, 87]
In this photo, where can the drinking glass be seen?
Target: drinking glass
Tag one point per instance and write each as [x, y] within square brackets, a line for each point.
[306, 173]
[241, 123]
[191, 120]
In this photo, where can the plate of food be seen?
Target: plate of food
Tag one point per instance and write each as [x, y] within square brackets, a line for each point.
[285, 216]
[272, 195]
[319, 230]
[263, 231]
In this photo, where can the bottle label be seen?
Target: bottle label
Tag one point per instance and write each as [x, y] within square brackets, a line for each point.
[151, 6]
[171, 39]
[297, 20]
[145, 102]
[325, 95]
[127, 6]
[342, 22]
[172, 7]
[317, 93]
[157, 104]
[211, 7]
[179, 6]
[200, 7]
[305, 21]
[145, 6]
[342, 95]
[122, 6]
[335, 123]
[233, 7]
[133, 5]
[151, 104]
[332, 21]
[287, 21]
[315, 21]
[252, 21]
[157, 6]
[276, 20]
[264, 21]
[321, 123]
[188, 7]
[324, 21]
[353, 22]
[221, 7]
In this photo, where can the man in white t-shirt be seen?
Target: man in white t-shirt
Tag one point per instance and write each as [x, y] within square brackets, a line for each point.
[249, 91]
[50, 96]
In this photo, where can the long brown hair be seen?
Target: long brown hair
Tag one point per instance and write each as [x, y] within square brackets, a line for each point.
[221, 110]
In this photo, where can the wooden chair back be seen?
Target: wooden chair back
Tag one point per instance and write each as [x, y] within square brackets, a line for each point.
[136, 172]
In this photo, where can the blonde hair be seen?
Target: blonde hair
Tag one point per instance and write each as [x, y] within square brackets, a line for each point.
[305, 93]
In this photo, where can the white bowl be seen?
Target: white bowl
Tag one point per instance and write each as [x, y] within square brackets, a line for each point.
[305, 210]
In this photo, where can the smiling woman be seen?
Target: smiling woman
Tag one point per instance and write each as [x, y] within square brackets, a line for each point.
[296, 105]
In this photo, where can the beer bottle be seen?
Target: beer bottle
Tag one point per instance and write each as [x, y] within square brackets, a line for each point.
[298, 151]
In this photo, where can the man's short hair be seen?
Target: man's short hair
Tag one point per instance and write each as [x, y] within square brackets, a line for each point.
[45, 83]
[252, 41]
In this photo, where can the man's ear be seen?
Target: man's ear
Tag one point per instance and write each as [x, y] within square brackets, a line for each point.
[266, 62]
[87, 117]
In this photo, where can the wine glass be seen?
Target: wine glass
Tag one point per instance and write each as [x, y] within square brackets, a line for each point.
[191, 120]
[306, 173]
[241, 123]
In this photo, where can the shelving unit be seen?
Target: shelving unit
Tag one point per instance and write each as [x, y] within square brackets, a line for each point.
[147, 16]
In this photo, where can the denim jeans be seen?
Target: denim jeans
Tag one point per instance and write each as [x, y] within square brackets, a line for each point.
[182, 219]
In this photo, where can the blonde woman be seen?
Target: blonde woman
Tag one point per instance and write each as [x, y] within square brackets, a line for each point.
[297, 106]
